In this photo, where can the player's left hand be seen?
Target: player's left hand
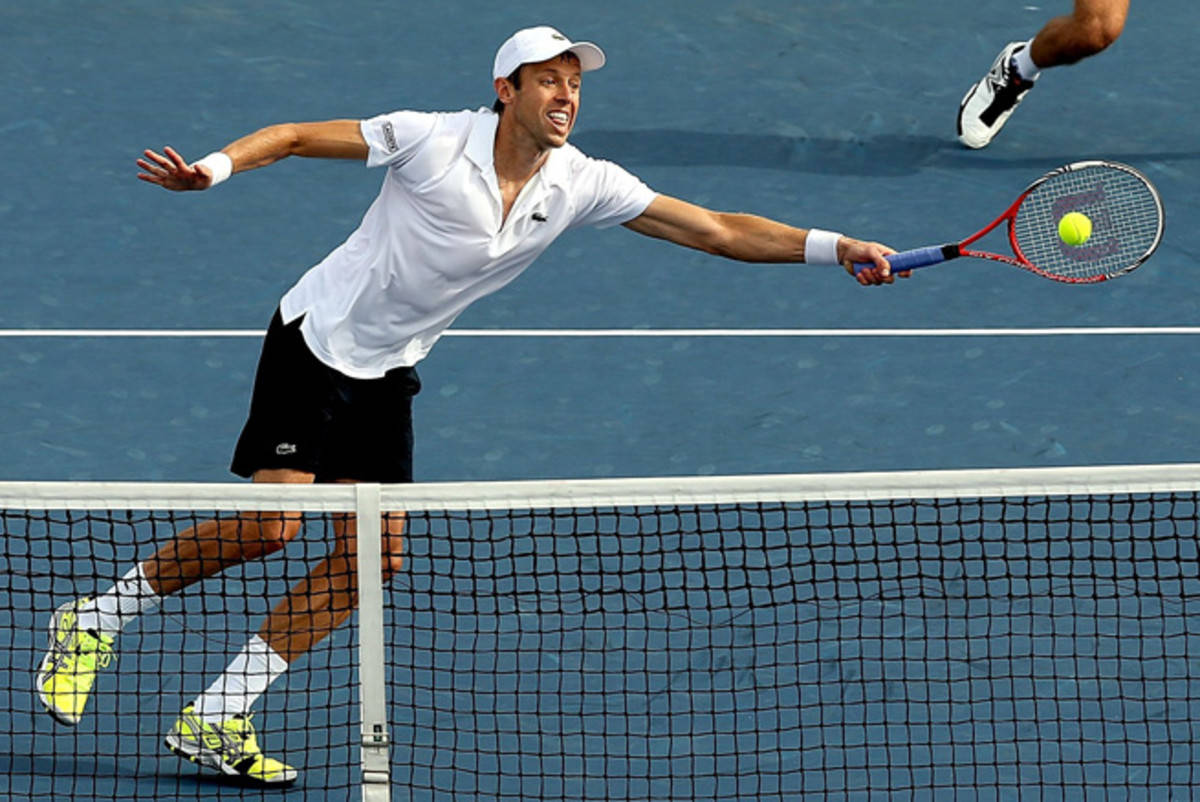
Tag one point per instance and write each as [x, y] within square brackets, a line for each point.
[853, 250]
[169, 171]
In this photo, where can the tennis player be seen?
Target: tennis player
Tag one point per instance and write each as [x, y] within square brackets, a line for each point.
[1091, 27]
[469, 200]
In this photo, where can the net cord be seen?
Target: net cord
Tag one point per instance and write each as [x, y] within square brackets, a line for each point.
[666, 491]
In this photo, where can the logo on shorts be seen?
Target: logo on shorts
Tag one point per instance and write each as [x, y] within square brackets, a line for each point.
[389, 138]
[285, 448]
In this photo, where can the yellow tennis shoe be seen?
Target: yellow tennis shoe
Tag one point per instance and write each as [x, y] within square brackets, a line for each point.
[68, 671]
[230, 747]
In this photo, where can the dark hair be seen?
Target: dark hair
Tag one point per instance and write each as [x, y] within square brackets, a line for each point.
[515, 80]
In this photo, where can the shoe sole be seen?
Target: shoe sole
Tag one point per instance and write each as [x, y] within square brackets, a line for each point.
[207, 759]
[38, 680]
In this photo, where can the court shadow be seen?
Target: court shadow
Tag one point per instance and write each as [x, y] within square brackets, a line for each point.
[889, 154]
[205, 784]
[882, 155]
[971, 160]
[61, 776]
[59, 765]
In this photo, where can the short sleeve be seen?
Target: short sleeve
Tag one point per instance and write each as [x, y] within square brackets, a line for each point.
[394, 137]
[607, 194]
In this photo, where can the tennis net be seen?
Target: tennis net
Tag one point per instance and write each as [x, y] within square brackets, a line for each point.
[993, 634]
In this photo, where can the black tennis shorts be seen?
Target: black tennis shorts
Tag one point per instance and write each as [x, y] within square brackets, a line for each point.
[309, 417]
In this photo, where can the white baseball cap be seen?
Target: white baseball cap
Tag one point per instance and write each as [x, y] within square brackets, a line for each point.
[531, 45]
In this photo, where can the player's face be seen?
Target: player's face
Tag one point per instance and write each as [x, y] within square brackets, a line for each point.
[547, 103]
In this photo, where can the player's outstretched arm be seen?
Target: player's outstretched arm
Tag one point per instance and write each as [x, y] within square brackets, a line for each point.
[750, 238]
[333, 139]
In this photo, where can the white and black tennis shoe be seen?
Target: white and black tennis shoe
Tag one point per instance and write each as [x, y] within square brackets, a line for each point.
[988, 104]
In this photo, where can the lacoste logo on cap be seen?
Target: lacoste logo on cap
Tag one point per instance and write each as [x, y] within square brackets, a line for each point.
[285, 448]
[558, 36]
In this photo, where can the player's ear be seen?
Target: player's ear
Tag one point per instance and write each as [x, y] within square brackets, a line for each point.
[505, 91]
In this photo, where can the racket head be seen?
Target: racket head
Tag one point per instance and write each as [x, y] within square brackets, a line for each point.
[1126, 213]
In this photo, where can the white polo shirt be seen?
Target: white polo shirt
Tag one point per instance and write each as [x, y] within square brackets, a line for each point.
[433, 240]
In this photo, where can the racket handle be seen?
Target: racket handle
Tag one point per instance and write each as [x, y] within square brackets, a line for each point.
[911, 260]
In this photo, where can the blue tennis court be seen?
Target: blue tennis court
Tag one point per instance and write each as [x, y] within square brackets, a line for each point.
[838, 116]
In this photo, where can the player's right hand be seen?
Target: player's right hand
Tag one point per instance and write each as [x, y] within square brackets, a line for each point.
[853, 250]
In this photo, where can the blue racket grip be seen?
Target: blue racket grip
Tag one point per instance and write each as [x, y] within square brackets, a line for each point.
[911, 260]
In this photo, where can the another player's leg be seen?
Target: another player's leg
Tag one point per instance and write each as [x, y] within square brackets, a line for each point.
[215, 730]
[1092, 26]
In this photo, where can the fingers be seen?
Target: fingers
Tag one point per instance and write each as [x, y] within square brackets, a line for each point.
[874, 276]
[174, 156]
[867, 263]
[156, 167]
[868, 266]
[169, 170]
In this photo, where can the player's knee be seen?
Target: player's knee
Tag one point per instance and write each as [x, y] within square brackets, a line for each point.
[1095, 32]
[392, 565]
[393, 555]
[275, 531]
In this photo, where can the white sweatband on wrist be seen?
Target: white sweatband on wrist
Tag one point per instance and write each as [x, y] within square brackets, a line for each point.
[219, 164]
[820, 248]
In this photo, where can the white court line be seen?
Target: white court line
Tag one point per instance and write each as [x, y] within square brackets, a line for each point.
[1001, 332]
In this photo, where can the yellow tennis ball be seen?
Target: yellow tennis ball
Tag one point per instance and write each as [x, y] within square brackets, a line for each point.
[1074, 228]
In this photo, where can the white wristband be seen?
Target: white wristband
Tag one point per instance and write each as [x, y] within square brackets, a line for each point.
[820, 248]
[219, 164]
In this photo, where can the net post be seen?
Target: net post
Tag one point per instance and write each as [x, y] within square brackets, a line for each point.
[376, 774]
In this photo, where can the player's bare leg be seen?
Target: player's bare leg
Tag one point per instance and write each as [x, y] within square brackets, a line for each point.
[1089, 29]
[216, 730]
[83, 632]
[210, 547]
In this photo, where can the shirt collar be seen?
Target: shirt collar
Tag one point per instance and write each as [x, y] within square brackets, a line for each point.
[482, 139]
[481, 150]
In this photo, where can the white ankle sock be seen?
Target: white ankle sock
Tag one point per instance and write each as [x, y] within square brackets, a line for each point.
[111, 611]
[246, 678]
[1023, 61]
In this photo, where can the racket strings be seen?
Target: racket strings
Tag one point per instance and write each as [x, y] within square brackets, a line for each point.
[1126, 217]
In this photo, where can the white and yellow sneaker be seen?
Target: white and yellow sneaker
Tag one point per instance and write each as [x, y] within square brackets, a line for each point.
[230, 747]
[68, 671]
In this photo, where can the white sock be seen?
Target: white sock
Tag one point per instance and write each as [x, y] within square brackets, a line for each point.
[246, 678]
[1023, 61]
[111, 611]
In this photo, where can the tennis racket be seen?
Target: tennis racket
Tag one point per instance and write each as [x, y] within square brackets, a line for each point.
[1127, 225]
